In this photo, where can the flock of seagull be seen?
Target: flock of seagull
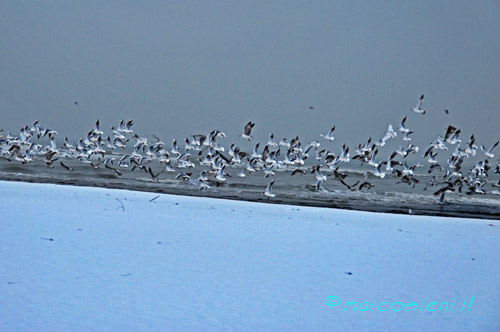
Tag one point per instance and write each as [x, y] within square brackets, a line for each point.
[35, 142]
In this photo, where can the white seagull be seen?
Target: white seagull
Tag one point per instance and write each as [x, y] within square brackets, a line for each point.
[402, 127]
[329, 136]
[390, 133]
[418, 109]
[488, 152]
[269, 190]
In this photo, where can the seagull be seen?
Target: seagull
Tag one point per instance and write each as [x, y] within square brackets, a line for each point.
[183, 176]
[449, 131]
[269, 190]
[406, 137]
[432, 155]
[402, 127]
[97, 131]
[255, 153]
[445, 190]
[66, 167]
[488, 152]
[320, 177]
[372, 161]
[299, 171]
[203, 185]
[220, 174]
[284, 143]
[378, 172]
[390, 133]
[242, 173]
[344, 156]
[329, 136]
[271, 141]
[154, 176]
[203, 176]
[125, 127]
[268, 171]
[351, 187]
[407, 170]
[116, 171]
[247, 130]
[175, 148]
[438, 144]
[366, 185]
[418, 108]
[48, 158]
[454, 139]
[471, 146]
[169, 168]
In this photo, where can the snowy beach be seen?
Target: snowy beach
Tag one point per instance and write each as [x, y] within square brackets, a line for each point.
[264, 166]
[81, 258]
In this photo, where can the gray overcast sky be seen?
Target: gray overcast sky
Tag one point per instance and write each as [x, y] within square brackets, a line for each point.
[183, 67]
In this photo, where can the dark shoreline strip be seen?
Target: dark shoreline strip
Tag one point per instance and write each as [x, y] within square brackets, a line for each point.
[462, 210]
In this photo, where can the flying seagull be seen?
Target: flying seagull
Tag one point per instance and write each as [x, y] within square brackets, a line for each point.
[488, 152]
[366, 185]
[269, 190]
[66, 167]
[418, 108]
[247, 130]
[329, 136]
[402, 127]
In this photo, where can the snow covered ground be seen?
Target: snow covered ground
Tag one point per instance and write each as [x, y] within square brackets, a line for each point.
[72, 259]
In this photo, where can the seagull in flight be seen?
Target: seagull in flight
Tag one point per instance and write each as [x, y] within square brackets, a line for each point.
[418, 108]
[320, 177]
[329, 136]
[488, 152]
[269, 190]
[247, 130]
[402, 127]
[390, 133]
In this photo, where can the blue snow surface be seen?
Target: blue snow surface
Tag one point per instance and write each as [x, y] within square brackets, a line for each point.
[93, 259]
